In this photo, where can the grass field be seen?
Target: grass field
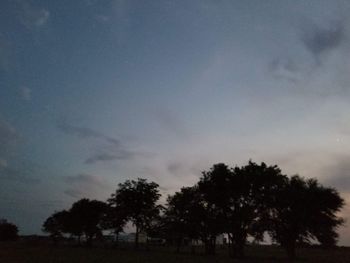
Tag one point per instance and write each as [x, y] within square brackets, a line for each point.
[24, 253]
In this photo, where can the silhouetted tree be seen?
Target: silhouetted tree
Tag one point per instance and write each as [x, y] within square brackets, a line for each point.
[181, 218]
[57, 225]
[8, 231]
[115, 217]
[89, 214]
[240, 200]
[214, 187]
[304, 210]
[138, 200]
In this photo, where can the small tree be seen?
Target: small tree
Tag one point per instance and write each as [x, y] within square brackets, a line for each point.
[303, 211]
[181, 217]
[8, 231]
[89, 215]
[115, 218]
[137, 199]
[214, 187]
[56, 225]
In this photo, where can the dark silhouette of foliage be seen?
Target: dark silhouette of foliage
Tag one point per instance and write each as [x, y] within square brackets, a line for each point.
[83, 218]
[214, 187]
[183, 215]
[240, 202]
[115, 217]
[89, 214]
[138, 201]
[239, 198]
[304, 211]
[8, 231]
[56, 225]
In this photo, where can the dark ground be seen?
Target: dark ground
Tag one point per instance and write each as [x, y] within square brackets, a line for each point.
[20, 252]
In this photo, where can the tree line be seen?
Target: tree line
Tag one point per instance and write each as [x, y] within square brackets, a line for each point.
[248, 201]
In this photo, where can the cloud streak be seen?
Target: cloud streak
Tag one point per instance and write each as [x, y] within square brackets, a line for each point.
[83, 185]
[25, 93]
[105, 157]
[9, 137]
[285, 69]
[319, 40]
[338, 174]
[13, 175]
[110, 149]
[31, 16]
[86, 133]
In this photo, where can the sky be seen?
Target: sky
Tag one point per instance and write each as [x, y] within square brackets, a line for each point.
[96, 92]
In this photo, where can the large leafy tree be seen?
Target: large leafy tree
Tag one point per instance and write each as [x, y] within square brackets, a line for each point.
[57, 225]
[138, 200]
[115, 217]
[214, 188]
[304, 210]
[86, 217]
[240, 198]
[252, 190]
[182, 217]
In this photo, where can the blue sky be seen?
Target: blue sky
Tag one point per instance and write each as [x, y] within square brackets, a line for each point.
[96, 92]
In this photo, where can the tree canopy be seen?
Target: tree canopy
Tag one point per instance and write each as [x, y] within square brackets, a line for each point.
[138, 200]
[8, 231]
[240, 202]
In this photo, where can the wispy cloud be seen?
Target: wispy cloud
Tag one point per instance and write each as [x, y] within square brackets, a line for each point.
[284, 68]
[86, 133]
[105, 157]
[338, 174]
[9, 137]
[74, 193]
[319, 40]
[84, 185]
[5, 53]
[110, 148]
[31, 16]
[82, 178]
[25, 93]
[170, 122]
[3, 163]
[14, 175]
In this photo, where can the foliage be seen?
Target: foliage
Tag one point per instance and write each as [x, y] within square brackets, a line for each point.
[137, 199]
[8, 231]
[240, 202]
[305, 211]
[183, 215]
[89, 214]
[83, 218]
[240, 199]
[115, 217]
[56, 225]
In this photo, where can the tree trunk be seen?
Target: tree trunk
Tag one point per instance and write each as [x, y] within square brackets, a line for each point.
[116, 241]
[178, 244]
[230, 248]
[193, 247]
[238, 243]
[89, 240]
[137, 238]
[290, 248]
[209, 245]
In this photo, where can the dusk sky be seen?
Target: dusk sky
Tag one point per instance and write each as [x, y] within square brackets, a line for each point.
[96, 92]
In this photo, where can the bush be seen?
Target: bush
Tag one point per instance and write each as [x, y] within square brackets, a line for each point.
[8, 231]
